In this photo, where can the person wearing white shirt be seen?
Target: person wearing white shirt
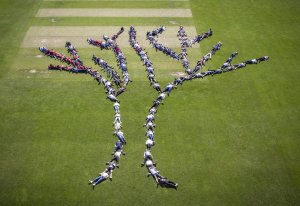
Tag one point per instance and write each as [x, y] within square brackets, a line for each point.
[120, 135]
[156, 86]
[150, 125]
[150, 134]
[112, 98]
[117, 156]
[102, 177]
[162, 96]
[149, 118]
[117, 125]
[169, 88]
[117, 107]
[149, 143]
[117, 118]
[147, 156]
[154, 173]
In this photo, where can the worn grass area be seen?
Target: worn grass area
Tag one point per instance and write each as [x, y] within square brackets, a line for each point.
[228, 140]
[56, 36]
[116, 4]
[103, 21]
[111, 12]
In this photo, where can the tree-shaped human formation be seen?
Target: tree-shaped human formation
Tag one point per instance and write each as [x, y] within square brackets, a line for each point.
[191, 73]
[114, 86]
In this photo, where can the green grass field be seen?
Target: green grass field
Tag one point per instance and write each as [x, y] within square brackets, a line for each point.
[231, 139]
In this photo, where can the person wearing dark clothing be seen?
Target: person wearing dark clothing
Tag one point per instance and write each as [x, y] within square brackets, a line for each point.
[164, 182]
[264, 58]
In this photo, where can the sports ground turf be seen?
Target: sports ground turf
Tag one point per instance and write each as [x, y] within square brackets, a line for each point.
[231, 139]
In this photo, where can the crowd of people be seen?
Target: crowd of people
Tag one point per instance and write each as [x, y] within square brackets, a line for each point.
[121, 62]
[202, 36]
[150, 125]
[159, 47]
[144, 56]
[75, 65]
[191, 74]
[107, 42]
[110, 43]
[185, 43]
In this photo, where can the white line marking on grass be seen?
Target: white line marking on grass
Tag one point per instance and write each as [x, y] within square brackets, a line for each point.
[114, 12]
[56, 36]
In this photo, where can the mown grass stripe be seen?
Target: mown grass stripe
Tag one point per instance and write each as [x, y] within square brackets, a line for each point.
[83, 12]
